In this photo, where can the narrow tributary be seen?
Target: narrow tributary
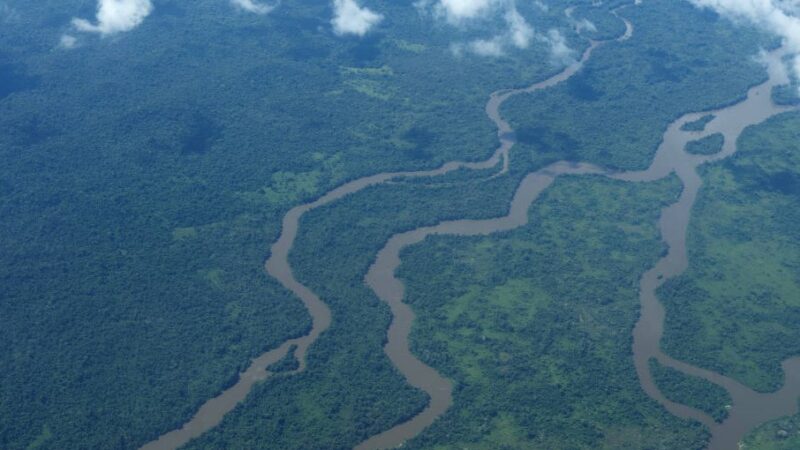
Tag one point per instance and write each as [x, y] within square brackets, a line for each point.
[749, 408]
[211, 413]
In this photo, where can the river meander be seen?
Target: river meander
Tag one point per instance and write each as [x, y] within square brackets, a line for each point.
[749, 408]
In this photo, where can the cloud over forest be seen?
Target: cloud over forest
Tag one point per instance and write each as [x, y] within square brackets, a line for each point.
[351, 18]
[254, 6]
[115, 16]
[517, 32]
[780, 17]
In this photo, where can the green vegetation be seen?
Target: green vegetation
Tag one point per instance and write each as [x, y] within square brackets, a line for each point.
[699, 124]
[782, 434]
[286, 364]
[691, 391]
[708, 145]
[614, 112]
[788, 94]
[534, 325]
[606, 25]
[337, 243]
[736, 309]
[351, 390]
[13, 79]
[145, 175]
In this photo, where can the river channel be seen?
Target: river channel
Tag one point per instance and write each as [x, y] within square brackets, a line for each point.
[749, 408]
[212, 412]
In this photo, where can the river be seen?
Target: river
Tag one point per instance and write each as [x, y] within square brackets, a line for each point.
[749, 408]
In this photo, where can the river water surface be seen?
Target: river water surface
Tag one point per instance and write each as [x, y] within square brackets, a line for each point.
[749, 408]
[381, 275]
[419, 375]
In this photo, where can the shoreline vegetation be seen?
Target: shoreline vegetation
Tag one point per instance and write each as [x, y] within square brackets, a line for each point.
[737, 299]
[699, 124]
[692, 391]
[139, 211]
[705, 146]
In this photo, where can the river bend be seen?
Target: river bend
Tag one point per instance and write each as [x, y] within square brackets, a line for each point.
[277, 266]
[749, 408]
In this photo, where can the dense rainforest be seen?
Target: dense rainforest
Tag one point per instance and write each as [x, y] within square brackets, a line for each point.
[542, 316]
[734, 310]
[145, 175]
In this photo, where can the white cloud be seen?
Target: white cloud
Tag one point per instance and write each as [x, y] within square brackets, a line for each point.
[486, 47]
[776, 16]
[457, 11]
[68, 42]
[585, 25]
[579, 25]
[350, 18]
[791, 6]
[114, 16]
[519, 31]
[482, 47]
[560, 52]
[542, 6]
[253, 6]
[518, 34]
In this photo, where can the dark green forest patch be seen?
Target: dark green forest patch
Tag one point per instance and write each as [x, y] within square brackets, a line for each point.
[781, 434]
[201, 133]
[581, 87]
[548, 141]
[618, 106]
[699, 124]
[14, 79]
[534, 325]
[736, 308]
[691, 391]
[708, 145]
[788, 95]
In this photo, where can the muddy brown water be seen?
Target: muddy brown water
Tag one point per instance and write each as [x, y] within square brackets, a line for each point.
[381, 275]
[749, 408]
[419, 375]
[381, 278]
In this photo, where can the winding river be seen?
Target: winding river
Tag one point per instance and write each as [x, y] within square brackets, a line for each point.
[212, 412]
[382, 281]
[749, 408]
